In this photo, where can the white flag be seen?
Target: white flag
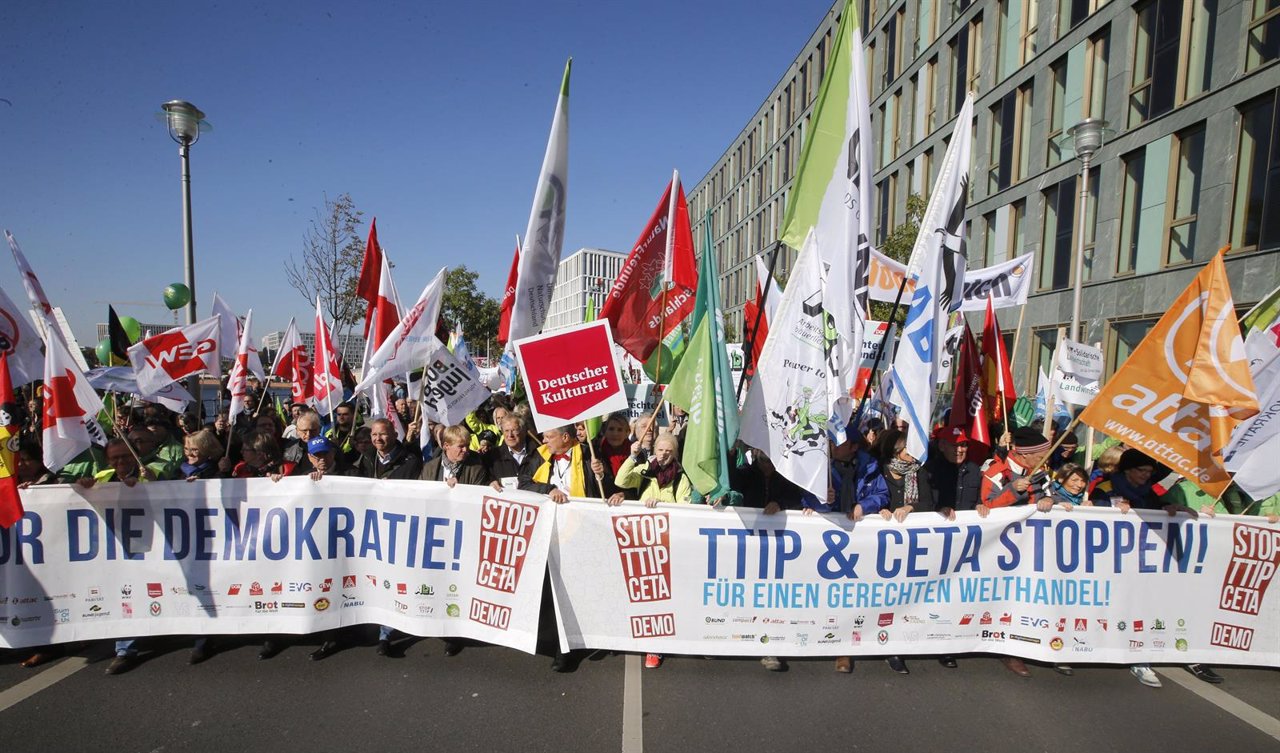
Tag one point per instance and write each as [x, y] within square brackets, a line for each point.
[784, 415]
[413, 339]
[35, 291]
[238, 383]
[451, 390]
[937, 265]
[1255, 443]
[122, 379]
[71, 407]
[544, 237]
[176, 353]
[20, 342]
[229, 332]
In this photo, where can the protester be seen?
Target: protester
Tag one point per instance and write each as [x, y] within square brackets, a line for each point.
[1130, 485]
[263, 458]
[954, 476]
[1068, 486]
[201, 452]
[508, 459]
[560, 469]
[342, 433]
[31, 470]
[387, 456]
[659, 479]
[306, 427]
[1065, 453]
[456, 464]
[1105, 465]
[614, 447]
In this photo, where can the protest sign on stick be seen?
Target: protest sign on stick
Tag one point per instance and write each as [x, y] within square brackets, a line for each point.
[571, 374]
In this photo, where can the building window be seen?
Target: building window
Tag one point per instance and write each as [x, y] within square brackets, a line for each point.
[1125, 336]
[926, 23]
[1146, 190]
[895, 132]
[1186, 186]
[1256, 214]
[930, 95]
[883, 202]
[1172, 46]
[966, 49]
[1264, 33]
[1078, 92]
[988, 239]
[1010, 138]
[1061, 202]
[1043, 344]
[1072, 12]
[1015, 35]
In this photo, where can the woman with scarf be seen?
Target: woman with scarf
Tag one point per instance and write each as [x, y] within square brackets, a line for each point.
[1130, 485]
[909, 491]
[660, 479]
[201, 452]
[263, 458]
[1068, 486]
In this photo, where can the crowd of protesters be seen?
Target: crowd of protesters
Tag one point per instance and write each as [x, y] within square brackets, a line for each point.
[871, 473]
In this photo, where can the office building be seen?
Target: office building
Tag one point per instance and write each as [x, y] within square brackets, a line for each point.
[586, 273]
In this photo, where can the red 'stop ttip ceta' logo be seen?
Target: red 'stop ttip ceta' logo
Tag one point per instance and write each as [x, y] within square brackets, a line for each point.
[644, 545]
[506, 532]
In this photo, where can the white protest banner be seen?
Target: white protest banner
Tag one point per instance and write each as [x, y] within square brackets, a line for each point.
[1006, 284]
[251, 556]
[571, 374]
[451, 390]
[642, 400]
[874, 337]
[1077, 372]
[1091, 585]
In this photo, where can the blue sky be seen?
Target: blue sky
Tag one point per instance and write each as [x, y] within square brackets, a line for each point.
[433, 116]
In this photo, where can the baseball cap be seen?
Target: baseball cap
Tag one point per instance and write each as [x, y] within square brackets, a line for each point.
[952, 434]
[319, 445]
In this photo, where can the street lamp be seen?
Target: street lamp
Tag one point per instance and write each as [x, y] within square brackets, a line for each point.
[1086, 137]
[186, 123]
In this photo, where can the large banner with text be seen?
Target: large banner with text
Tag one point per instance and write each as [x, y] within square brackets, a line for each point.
[1091, 585]
[252, 556]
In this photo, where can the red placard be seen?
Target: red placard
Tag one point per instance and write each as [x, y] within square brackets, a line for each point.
[571, 375]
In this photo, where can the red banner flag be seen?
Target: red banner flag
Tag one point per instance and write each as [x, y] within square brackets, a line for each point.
[997, 377]
[509, 296]
[293, 362]
[634, 306]
[968, 405]
[10, 500]
[161, 360]
[370, 273]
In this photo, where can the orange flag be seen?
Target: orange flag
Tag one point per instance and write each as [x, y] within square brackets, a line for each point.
[1185, 387]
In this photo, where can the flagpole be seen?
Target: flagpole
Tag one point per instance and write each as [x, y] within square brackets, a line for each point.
[755, 328]
[866, 391]
[1017, 333]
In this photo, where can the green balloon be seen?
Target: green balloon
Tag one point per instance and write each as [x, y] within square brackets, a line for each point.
[104, 351]
[176, 296]
[131, 328]
[668, 365]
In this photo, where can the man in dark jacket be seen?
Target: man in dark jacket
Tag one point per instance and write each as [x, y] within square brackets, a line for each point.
[388, 457]
[955, 479]
[508, 460]
[561, 468]
[456, 464]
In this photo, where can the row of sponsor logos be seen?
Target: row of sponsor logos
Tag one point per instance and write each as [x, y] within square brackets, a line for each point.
[886, 619]
[250, 588]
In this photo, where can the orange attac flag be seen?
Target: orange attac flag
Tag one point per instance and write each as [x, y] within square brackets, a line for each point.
[1185, 387]
[10, 500]
[997, 381]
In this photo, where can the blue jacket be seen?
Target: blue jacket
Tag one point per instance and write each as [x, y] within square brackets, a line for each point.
[859, 482]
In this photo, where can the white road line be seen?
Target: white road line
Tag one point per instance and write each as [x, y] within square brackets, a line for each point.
[632, 707]
[1225, 701]
[55, 674]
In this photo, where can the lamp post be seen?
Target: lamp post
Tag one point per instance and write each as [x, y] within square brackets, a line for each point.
[186, 122]
[1086, 137]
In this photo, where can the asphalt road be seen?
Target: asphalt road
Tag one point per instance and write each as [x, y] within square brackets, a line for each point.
[496, 699]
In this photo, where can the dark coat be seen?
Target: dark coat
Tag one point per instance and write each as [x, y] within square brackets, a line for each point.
[472, 472]
[897, 489]
[593, 487]
[405, 463]
[956, 486]
[503, 465]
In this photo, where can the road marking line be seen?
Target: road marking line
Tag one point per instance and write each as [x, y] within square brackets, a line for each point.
[632, 707]
[1225, 701]
[27, 688]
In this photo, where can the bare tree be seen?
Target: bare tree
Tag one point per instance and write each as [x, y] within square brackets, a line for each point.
[329, 267]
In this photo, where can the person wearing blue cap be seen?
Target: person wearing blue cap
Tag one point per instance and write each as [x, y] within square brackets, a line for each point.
[325, 458]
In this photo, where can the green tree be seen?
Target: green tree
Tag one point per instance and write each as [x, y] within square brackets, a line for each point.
[329, 265]
[897, 246]
[479, 313]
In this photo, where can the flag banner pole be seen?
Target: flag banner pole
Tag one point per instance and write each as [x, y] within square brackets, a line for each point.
[866, 391]
[1054, 447]
[591, 447]
[1088, 432]
[1017, 335]
[755, 328]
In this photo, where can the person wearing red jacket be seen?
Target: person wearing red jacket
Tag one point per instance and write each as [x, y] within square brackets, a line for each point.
[1017, 478]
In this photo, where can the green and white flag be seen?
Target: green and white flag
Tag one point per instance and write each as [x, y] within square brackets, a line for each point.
[544, 237]
[703, 386]
[832, 197]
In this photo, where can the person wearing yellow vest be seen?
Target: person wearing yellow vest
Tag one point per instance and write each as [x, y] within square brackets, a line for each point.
[561, 468]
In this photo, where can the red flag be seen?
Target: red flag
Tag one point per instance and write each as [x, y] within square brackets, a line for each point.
[293, 362]
[634, 304]
[387, 306]
[68, 425]
[997, 378]
[370, 273]
[10, 500]
[326, 379]
[968, 405]
[509, 295]
[238, 384]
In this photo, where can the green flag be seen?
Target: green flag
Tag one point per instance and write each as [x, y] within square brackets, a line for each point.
[703, 386]
[1262, 314]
